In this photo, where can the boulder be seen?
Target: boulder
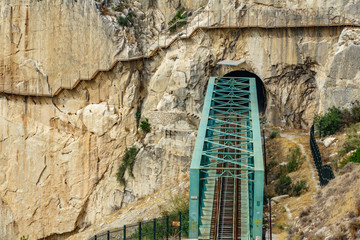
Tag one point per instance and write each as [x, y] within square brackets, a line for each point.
[279, 198]
[328, 141]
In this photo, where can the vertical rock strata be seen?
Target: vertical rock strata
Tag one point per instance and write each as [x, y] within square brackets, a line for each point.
[59, 155]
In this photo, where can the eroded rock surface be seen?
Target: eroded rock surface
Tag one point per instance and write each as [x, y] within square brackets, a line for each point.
[59, 156]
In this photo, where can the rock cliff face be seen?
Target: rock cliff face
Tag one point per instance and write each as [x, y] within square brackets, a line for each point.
[59, 155]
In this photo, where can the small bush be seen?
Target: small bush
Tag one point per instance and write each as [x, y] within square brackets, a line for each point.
[176, 204]
[304, 213]
[295, 159]
[329, 123]
[273, 163]
[343, 162]
[122, 21]
[274, 134]
[138, 115]
[280, 226]
[299, 187]
[24, 238]
[180, 15]
[118, 8]
[355, 112]
[145, 125]
[335, 119]
[283, 186]
[147, 228]
[128, 161]
[126, 21]
[352, 142]
[355, 157]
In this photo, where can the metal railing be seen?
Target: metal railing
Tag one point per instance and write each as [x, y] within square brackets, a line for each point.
[169, 227]
[324, 171]
[199, 21]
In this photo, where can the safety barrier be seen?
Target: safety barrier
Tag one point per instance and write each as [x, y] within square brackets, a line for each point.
[169, 227]
[324, 171]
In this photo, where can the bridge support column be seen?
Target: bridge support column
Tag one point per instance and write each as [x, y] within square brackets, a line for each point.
[194, 204]
[258, 205]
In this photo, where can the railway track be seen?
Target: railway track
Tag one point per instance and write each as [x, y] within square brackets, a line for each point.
[226, 217]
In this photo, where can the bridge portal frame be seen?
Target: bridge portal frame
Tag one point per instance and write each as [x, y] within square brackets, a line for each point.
[225, 89]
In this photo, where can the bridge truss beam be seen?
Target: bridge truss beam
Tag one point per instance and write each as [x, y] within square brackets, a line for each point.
[228, 145]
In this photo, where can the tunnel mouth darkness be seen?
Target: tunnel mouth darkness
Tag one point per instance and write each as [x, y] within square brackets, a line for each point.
[261, 91]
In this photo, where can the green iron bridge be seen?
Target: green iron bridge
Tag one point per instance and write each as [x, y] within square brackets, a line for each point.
[227, 170]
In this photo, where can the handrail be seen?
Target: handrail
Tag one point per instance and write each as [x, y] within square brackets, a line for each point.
[324, 171]
[157, 228]
[243, 19]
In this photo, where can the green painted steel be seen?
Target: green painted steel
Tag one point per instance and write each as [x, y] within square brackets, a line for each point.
[229, 135]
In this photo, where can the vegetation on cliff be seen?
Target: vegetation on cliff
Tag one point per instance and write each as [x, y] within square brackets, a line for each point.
[335, 119]
[128, 162]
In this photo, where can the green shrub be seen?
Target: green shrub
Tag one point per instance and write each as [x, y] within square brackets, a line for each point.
[352, 142]
[329, 123]
[126, 21]
[138, 115]
[180, 15]
[24, 238]
[273, 163]
[145, 125]
[274, 134]
[179, 203]
[280, 226]
[128, 161]
[355, 156]
[118, 8]
[122, 21]
[299, 187]
[282, 171]
[295, 159]
[283, 186]
[176, 204]
[334, 119]
[355, 112]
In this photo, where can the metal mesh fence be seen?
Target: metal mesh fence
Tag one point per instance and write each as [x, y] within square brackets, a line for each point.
[169, 227]
[324, 171]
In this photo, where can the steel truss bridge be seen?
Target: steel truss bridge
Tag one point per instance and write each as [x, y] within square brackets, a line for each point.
[227, 170]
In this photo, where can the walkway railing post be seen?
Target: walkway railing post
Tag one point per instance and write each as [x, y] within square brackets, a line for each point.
[124, 232]
[139, 230]
[270, 223]
[108, 235]
[154, 228]
[167, 227]
[180, 225]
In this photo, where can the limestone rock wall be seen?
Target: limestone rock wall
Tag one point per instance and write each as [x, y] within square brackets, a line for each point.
[341, 87]
[49, 44]
[52, 159]
[59, 156]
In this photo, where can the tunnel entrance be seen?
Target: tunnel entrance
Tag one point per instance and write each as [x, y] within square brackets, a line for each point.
[261, 92]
